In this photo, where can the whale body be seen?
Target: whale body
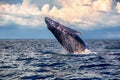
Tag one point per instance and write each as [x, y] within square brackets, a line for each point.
[67, 37]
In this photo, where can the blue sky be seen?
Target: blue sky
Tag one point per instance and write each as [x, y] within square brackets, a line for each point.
[24, 19]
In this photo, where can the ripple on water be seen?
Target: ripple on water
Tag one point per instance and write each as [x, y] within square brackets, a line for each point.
[37, 77]
[42, 59]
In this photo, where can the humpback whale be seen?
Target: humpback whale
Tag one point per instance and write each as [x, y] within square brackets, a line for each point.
[67, 37]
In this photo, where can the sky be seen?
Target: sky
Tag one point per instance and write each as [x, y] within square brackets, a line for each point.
[24, 19]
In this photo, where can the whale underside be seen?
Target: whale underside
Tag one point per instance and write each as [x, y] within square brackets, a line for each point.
[67, 37]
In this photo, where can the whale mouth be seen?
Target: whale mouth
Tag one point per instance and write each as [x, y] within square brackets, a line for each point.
[47, 20]
[50, 22]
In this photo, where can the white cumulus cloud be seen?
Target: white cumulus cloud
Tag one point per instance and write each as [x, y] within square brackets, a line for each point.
[22, 14]
[118, 7]
[80, 13]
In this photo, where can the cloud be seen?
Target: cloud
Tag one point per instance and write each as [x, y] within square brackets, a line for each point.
[89, 13]
[104, 5]
[81, 13]
[22, 14]
[118, 7]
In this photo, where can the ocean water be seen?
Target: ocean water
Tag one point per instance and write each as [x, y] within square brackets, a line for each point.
[47, 60]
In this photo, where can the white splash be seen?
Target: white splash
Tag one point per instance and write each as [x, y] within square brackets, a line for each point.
[87, 51]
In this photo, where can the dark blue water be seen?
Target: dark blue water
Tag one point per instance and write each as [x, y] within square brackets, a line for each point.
[47, 60]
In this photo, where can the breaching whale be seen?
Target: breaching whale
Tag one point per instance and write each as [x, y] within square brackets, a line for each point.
[67, 37]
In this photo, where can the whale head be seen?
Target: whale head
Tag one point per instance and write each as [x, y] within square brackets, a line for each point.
[53, 25]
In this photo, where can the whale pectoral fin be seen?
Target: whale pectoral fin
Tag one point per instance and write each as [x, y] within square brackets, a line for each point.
[74, 33]
[78, 33]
